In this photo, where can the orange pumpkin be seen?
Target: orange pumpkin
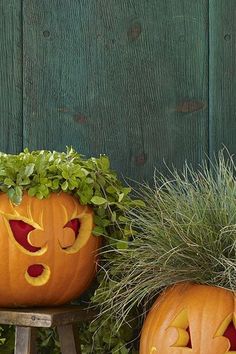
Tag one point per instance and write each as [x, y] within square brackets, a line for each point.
[47, 251]
[191, 319]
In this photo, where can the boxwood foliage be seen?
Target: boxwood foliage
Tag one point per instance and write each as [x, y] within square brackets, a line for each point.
[40, 173]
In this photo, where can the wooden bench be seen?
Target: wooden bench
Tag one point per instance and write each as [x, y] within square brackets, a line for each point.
[63, 318]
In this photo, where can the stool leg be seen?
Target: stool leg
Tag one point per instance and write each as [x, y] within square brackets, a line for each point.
[25, 339]
[68, 340]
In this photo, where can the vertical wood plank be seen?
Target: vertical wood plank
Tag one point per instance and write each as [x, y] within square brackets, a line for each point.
[25, 340]
[67, 340]
[125, 78]
[222, 75]
[10, 76]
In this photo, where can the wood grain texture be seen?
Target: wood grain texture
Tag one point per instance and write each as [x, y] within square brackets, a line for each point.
[125, 78]
[46, 317]
[222, 75]
[67, 337]
[25, 340]
[10, 76]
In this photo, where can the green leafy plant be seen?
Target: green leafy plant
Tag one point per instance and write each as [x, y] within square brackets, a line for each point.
[185, 233]
[40, 173]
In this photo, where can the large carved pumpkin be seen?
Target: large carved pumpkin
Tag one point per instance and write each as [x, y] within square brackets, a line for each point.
[191, 319]
[47, 251]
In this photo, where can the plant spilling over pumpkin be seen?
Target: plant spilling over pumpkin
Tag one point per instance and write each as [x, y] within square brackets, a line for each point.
[90, 200]
[43, 172]
[186, 233]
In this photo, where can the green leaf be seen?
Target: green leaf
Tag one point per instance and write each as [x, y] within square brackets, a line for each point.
[111, 190]
[82, 172]
[39, 195]
[55, 184]
[121, 196]
[89, 180]
[18, 191]
[101, 181]
[64, 186]
[139, 203]
[113, 216]
[65, 174]
[98, 200]
[105, 163]
[16, 199]
[127, 190]
[9, 182]
[32, 191]
[98, 231]
[122, 245]
[29, 169]
[123, 219]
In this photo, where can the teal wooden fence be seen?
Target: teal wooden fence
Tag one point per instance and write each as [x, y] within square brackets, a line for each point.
[139, 80]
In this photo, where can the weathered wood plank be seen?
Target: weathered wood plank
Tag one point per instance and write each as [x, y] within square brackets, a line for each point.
[10, 76]
[25, 340]
[222, 75]
[125, 78]
[67, 340]
[45, 317]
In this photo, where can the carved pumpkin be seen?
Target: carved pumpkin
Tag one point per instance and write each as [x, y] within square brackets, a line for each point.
[191, 319]
[47, 252]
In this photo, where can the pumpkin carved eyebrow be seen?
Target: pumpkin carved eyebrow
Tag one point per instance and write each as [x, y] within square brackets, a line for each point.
[20, 230]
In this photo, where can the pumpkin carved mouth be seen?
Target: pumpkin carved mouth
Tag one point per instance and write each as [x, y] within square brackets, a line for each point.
[37, 274]
[35, 270]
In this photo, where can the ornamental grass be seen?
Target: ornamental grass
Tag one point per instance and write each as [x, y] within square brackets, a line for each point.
[186, 232]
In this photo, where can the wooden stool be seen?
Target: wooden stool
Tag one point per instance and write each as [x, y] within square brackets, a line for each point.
[63, 318]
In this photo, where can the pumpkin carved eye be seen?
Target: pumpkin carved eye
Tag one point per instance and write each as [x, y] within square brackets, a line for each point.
[74, 224]
[227, 329]
[70, 233]
[181, 325]
[21, 230]
[230, 334]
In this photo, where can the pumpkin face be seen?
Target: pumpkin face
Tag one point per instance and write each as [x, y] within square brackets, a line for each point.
[47, 252]
[191, 319]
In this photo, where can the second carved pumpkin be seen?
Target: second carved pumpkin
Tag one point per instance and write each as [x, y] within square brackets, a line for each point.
[191, 319]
